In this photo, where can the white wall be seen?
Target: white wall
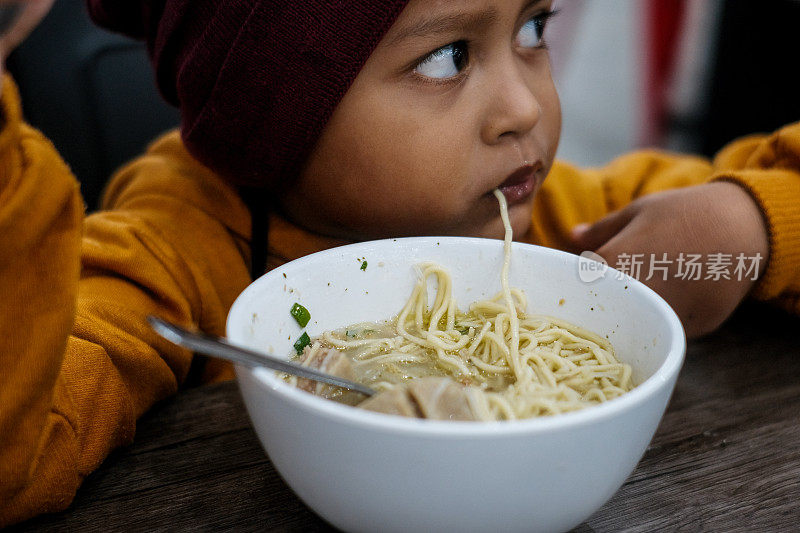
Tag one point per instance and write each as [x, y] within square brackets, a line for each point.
[599, 59]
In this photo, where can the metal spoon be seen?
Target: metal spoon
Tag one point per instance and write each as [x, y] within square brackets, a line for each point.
[219, 347]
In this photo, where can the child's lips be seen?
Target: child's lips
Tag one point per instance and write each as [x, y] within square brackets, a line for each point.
[520, 184]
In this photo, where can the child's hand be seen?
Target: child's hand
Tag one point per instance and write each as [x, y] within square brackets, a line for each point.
[716, 218]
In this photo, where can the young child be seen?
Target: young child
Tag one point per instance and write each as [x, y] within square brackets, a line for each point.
[328, 122]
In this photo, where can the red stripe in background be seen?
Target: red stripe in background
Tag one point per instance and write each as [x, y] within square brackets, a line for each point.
[663, 22]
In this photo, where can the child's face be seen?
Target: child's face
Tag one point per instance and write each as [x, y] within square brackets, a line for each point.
[456, 100]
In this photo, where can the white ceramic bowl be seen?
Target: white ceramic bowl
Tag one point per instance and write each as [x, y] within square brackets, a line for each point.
[365, 471]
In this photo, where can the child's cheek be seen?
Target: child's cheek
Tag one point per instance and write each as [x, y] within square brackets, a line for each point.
[411, 157]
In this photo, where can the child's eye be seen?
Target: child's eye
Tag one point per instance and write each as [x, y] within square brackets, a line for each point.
[531, 33]
[446, 62]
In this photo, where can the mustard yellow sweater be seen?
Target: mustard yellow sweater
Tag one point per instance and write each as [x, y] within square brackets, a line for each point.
[79, 364]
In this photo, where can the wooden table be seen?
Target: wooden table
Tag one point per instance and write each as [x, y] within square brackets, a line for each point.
[726, 457]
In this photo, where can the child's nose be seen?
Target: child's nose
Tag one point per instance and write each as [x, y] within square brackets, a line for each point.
[513, 108]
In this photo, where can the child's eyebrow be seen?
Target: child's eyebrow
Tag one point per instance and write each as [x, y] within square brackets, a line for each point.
[446, 24]
[450, 23]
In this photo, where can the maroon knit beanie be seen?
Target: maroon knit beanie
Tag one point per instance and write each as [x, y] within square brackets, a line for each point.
[255, 80]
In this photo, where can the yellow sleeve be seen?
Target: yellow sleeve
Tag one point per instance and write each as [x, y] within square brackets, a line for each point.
[768, 166]
[172, 241]
[40, 228]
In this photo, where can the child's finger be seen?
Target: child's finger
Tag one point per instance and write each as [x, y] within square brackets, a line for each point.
[593, 236]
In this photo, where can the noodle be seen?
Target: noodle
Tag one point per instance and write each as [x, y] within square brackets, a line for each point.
[515, 364]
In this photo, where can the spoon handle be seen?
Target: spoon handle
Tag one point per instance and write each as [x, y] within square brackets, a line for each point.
[219, 347]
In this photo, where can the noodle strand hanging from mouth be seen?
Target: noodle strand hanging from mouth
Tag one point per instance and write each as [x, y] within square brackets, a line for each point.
[513, 348]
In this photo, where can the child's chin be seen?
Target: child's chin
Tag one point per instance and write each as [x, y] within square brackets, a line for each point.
[495, 229]
[520, 217]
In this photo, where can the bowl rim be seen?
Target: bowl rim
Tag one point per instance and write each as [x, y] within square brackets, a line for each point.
[344, 414]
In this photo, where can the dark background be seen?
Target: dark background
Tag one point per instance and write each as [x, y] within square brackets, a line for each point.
[91, 92]
[756, 81]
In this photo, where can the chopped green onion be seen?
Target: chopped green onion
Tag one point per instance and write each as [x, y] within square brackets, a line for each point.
[364, 265]
[300, 314]
[302, 342]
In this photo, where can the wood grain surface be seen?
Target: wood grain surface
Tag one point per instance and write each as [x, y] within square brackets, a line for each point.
[726, 456]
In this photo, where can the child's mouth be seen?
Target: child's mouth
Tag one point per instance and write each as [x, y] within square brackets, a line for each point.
[520, 184]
